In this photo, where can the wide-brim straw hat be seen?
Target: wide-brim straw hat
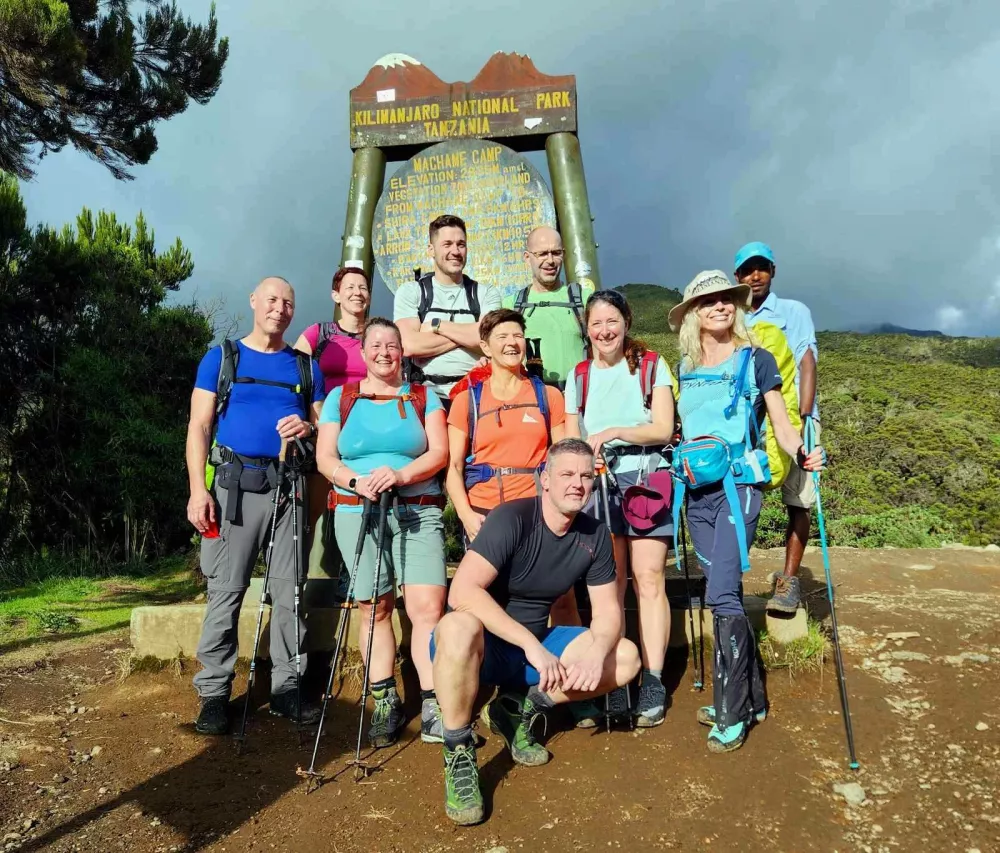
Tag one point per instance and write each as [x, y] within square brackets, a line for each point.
[704, 284]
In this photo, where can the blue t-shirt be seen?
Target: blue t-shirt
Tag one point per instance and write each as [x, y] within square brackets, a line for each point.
[248, 425]
[375, 435]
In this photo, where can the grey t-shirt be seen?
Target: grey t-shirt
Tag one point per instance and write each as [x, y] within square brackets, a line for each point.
[456, 362]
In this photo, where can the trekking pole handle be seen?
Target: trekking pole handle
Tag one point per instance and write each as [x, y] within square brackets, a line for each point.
[809, 435]
[366, 513]
[284, 450]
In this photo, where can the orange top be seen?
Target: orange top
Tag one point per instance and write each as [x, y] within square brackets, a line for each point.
[509, 438]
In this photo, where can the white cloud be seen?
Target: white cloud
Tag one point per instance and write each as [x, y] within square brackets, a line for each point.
[950, 318]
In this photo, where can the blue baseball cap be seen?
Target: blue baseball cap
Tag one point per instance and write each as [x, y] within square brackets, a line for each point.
[753, 250]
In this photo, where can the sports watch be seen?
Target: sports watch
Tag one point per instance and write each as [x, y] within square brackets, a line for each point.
[352, 483]
[436, 325]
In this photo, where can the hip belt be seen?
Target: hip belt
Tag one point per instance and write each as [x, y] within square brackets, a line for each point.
[481, 473]
[335, 499]
[238, 473]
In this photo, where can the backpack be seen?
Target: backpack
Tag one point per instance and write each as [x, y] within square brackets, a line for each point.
[575, 304]
[426, 283]
[707, 460]
[327, 332]
[480, 472]
[647, 376]
[351, 393]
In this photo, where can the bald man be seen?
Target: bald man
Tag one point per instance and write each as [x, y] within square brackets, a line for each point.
[552, 310]
[276, 395]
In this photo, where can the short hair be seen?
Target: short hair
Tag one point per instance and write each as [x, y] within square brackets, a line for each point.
[379, 323]
[343, 272]
[573, 446]
[494, 318]
[445, 220]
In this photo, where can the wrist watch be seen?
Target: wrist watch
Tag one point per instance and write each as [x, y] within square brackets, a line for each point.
[352, 483]
[436, 325]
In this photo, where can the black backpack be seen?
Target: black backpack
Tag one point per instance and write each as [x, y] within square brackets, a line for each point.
[228, 378]
[575, 304]
[327, 332]
[426, 283]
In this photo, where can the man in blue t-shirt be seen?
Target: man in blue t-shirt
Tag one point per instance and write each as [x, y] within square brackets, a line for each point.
[755, 267]
[266, 407]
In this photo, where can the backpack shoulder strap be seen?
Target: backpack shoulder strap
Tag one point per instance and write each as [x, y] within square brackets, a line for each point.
[581, 375]
[475, 399]
[349, 394]
[575, 294]
[305, 381]
[426, 284]
[227, 375]
[542, 398]
[521, 302]
[418, 397]
[647, 376]
[472, 295]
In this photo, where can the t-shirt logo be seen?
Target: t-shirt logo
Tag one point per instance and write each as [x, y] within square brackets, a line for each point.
[527, 419]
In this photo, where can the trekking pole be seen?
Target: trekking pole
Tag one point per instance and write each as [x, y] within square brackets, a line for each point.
[314, 779]
[383, 511]
[697, 654]
[241, 737]
[810, 443]
[296, 601]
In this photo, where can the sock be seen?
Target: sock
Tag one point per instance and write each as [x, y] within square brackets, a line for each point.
[653, 673]
[458, 737]
[380, 687]
[427, 694]
[540, 700]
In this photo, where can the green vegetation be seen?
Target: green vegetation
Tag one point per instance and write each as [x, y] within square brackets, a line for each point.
[67, 607]
[90, 75]
[912, 427]
[806, 653]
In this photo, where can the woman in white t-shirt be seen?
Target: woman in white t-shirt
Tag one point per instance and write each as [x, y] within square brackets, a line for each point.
[629, 429]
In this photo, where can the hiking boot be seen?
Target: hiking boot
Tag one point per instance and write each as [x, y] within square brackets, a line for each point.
[287, 705]
[388, 719]
[585, 714]
[728, 739]
[786, 597]
[616, 704]
[213, 719]
[652, 703]
[463, 801]
[706, 715]
[431, 727]
[512, 718]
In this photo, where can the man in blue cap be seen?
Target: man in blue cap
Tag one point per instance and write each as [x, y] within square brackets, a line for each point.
[755, 266]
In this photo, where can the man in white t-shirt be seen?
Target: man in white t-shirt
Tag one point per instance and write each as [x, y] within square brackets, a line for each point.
[439, 314]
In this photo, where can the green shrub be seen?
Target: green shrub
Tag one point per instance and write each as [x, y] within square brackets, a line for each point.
[901, 527]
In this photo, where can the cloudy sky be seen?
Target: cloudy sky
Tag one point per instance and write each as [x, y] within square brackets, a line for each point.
[853, 136]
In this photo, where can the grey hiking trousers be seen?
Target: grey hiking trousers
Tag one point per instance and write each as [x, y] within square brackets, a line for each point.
[227, 563]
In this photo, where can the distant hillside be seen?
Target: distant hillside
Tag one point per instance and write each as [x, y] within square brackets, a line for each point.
[912, 425]
[890, 329]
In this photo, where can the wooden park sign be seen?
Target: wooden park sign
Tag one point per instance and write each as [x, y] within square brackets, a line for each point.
[403, 103]
[450, 133]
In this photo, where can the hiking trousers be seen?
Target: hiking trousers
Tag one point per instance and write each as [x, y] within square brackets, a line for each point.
[228, 562]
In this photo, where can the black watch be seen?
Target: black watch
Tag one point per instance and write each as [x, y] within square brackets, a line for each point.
[352, 483]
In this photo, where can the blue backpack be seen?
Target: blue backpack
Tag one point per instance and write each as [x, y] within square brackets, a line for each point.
[708, 460]
[480, 472]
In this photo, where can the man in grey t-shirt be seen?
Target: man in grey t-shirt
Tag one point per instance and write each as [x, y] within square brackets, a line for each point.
[444, 343]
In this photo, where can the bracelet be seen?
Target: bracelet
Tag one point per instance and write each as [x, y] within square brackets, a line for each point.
[333, 479]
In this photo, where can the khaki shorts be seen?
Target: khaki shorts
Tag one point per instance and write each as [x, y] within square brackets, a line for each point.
[798, 490]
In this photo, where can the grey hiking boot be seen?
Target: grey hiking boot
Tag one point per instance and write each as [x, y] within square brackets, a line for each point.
[431, 727]
[388, 718]
[786, 597]
[463, 801]
[652, 702]
[513, 718]
[585, 714]
[213, 718]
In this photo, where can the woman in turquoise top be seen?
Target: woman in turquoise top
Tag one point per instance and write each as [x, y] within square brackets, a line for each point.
[629, 431]
[727, 386]
[384, 445]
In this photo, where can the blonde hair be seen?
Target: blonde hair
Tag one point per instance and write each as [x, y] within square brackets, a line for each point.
[690, 334]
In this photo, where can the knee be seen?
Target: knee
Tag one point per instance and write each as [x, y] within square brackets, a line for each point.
[648, 581]
[425, 610]
[459, 635]
[627, 660]
[383, 608]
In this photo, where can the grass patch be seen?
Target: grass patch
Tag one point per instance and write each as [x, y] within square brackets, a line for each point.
[803, 655]
[67, 607]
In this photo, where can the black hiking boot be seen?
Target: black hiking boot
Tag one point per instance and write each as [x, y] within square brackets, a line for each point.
[285, 705]
[213, 719]
[388, 718]
[652, 702]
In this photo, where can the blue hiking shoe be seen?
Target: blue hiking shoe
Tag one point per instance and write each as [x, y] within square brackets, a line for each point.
[728, 739]
[706, 715]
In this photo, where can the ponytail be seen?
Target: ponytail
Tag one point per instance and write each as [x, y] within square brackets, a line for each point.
[634, 351]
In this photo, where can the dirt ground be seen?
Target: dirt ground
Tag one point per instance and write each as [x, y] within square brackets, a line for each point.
[90, 763]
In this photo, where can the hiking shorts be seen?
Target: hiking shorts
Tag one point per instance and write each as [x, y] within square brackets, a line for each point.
[505, 665]
[413, 552]
[619, 526]
[798, 490]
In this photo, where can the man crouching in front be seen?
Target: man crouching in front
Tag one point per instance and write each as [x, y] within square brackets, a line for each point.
[527, 554]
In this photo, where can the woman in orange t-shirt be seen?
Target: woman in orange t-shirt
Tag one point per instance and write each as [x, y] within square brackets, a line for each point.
[511, 431]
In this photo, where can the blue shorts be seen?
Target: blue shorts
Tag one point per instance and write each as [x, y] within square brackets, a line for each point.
[505, 665]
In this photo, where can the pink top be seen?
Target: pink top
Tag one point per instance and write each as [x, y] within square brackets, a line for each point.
[341, 360]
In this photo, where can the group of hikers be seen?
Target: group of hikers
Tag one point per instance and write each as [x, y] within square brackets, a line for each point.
[568, 450]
